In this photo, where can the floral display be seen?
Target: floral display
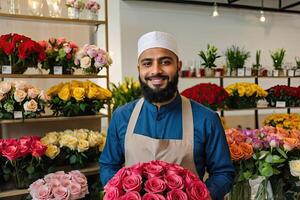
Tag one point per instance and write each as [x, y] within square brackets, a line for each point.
[78, 4]
[77, 98]
[20, 52]
[76, 148]
[244, 95]
[92, 59]
[286, 121]
[290, 95]
[60, 186]
[156, 180]
[208, 94]
[22, 159]
[92, 6]
[60, 52]
[22, 97]
[125, 92]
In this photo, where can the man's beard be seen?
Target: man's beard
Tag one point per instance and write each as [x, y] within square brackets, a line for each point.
[160, 95]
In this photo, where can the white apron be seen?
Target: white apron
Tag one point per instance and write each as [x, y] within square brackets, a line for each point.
[140, 148]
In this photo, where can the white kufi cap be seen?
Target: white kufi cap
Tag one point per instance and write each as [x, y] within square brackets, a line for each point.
[157, 39]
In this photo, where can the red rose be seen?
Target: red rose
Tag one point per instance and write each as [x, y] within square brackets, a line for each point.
[1, 145]
[112, 194]
[132, 195]
[8, 48]
[174, 181]
[176, 194]
[6, 37]
[69, 56]
[155, 185]
[132, 183]
[151, 196]
[137, 168]
[190, 177]
[153, 170]
[16, 38]
[38, 149]
[11, 149]
[116, 181]
[198, 191]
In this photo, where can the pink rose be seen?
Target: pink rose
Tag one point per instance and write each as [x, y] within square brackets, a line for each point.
[153, 170]
[38, 148]
[25, 143]
[151, 196]
[48, 177]
[174, 181]
[116, 181]
[33, 92]
[161, 163]
[20, 95]
[75, 191]
[42, 193]
[124, 172]
[36, 184]
[132, 183]
[66, 182]
[175, 169]
[54, 182]
[79, 178]
[190, 177]
[112, 194]
[155, 185]
[11, 152]
[61, 193]
[176, 194]
[132, 195]
[137, 168]
[197, 190]
[43, 96]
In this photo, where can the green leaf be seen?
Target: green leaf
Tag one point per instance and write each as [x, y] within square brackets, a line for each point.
[247, 175]
[263, 154]
[73, 159]
[30, 169]
[282, 153]
[269, 159]
[82, 106]
[267, 170]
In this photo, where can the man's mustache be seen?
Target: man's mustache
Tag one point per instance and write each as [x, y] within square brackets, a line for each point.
[157, 76]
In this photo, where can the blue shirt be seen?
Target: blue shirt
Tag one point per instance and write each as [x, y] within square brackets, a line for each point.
[210, 147]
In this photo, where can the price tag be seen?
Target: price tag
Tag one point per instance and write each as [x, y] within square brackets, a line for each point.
[6, 69]
[290, 72]
[275, 72]
[297, 72]
[58, 70]
[280, 104]
[248, 71]
[241, 72]
[18, 114]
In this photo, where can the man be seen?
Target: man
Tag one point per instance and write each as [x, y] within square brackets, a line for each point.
[165, 126]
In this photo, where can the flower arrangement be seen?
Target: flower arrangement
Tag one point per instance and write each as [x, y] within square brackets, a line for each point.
[125, 92]
[60, 52]
[244, 95]
[92, 59]
[76, 148]
[77, 4]
[209, 57]
[286, 121]
[60, 186]
[236, 57]
[22, 97]
[290, 95]
[277, 58]
[92, 6]
[208, 94]
[20, 52]
[22, 159]
[77, 98]
[156, 180]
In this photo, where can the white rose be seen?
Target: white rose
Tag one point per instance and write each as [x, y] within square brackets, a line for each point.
[295, 167]
[21, 85]
[20, 95]
[43, 96]
[30, 105]
[85, 62]
[5, 87]
[33, 92]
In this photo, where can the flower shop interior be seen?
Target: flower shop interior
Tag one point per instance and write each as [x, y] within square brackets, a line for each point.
[66, 65]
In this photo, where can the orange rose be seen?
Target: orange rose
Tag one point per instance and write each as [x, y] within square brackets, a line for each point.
[290, 143]
[238, 137]
[236, 152]
[247, 150]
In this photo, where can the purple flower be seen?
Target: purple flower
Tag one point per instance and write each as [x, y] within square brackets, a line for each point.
[92, 52]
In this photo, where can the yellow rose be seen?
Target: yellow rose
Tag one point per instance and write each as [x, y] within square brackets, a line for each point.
[68, 141]
[64, 93]
[93, 92]
[50, 139]
[52, 151]
[241, 91]
[83, 145]
[55, 89]
[81, 135]
[94, 139]
[79, 93]
[104, 93]
[75, 84]
[124, 87]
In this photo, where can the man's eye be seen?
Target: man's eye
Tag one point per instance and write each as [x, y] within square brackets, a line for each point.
[165, 62]
[146, 64]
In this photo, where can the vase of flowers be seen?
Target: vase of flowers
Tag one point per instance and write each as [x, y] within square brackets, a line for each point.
[74, 8]
[236, 57]
[278, 57]
[92, 59]
[93, 7]
[209, 57]
[60, 56]
[257, 66]
[244, 95]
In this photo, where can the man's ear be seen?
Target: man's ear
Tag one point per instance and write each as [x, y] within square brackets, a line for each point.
[179, 65]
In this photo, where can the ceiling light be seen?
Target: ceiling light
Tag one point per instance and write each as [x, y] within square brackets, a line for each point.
[262, 16]
[215, 12]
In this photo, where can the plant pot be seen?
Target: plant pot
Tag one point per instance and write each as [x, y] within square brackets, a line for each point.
[254, 72]
[68, 71]
[209, 72]
[233, 72]
[73, 13]
[219, 72]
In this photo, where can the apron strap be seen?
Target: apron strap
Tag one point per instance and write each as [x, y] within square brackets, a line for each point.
[134, 116]
[187, 120]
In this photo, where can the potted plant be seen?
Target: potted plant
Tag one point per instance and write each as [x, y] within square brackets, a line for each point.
[236, 58]
[256, 67]
[209, 57]
[297, 70]
[277, 58]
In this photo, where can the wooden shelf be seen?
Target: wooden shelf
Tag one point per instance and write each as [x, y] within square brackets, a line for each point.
[64, 76]
[51, 118]
[91, 170]
[218, 77]
[54, 19]
[259, 108]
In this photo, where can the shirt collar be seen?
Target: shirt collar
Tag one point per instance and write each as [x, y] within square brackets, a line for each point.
[163, 108]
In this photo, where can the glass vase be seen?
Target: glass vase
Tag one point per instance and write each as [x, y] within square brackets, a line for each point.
[54, 8]
[73, 13]
[13, 6]
[92, 15]
[35, 7]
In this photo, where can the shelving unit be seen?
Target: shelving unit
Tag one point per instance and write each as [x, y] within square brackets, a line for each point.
[50, 76]
[256, 80]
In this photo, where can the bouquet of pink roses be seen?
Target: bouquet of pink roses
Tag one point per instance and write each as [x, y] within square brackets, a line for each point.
[60, 186]
[92, 6]
[155, 180]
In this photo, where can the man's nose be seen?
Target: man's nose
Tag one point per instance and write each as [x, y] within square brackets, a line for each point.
[156, 68]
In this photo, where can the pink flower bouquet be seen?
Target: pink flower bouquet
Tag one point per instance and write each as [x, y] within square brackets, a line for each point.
[92, 6]
[60, 186]
[155, 180]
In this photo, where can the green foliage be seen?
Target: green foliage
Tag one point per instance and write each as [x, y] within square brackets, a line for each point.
[297, 59]
[209, 57]
[277, 58]
[257, 65]
[236, 57]
[125, 92]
